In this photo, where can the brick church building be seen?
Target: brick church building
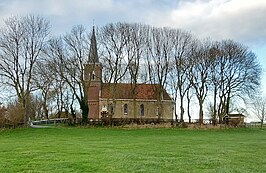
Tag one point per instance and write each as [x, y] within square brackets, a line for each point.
[117, 100]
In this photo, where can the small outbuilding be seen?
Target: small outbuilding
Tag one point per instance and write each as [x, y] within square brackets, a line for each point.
[234, 119]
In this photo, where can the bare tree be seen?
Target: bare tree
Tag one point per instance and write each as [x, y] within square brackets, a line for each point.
[258, 107]
[134, 46]
[22, 40]
[69, 54]
[55, 54]
[44, 80]
[77, 47]
[173, 88]
[199, 74]
[214, 81]
[182, 42]
[235, 73]
[159, 47]
[113, 39]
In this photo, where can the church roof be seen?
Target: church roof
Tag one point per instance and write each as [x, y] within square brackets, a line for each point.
[124, 91]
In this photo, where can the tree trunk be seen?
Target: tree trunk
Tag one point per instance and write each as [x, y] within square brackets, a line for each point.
[220, 110]
[214, 107]
[85, 111]
[227, 104]
[200, 112]
[45, 111]
[188, 107]
[134, 101]
[135, 108]
[175, 108]
[181, 108]
[182, 113]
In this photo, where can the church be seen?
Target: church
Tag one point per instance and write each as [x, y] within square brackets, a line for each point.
[117, 100]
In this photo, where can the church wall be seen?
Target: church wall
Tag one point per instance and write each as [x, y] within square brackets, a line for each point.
[150, 108]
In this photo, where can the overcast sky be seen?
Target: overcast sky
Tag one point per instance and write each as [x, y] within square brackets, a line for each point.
[240, 20]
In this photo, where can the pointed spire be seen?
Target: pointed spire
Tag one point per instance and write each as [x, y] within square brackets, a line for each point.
[93, 55]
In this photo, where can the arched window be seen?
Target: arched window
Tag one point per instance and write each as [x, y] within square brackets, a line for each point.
[157, 111]
[111, 108]
[141, 110]
[125, 109]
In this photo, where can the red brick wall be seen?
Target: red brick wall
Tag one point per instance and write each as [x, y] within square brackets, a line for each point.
[93, 110]
[93, 99]
[94, 88]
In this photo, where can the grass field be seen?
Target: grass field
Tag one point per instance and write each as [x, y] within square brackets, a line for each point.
[135, 150]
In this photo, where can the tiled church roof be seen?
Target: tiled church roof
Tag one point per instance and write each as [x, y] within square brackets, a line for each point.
[124, 91]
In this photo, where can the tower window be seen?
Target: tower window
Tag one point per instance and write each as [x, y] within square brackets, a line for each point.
[93, 75]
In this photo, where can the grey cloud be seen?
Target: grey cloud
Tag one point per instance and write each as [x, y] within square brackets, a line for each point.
[244, 26]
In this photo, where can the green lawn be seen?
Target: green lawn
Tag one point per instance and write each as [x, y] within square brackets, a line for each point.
[136, 150]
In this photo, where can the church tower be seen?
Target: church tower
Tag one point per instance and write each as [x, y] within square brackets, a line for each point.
[93, 78]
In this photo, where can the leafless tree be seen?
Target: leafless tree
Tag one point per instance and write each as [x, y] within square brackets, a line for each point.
[22, 40]
[182, 42]
[258, 107]
[113, 39]
[77, 47]
[44, 80]
[199, 74]
[173, 88]
[214, 81]
[56, 84]
[69, 54]
[235, 72]
[159, 52]
[112, 42]
[134, 46]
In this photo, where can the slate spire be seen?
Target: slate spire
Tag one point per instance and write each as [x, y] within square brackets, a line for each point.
[93, 55]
